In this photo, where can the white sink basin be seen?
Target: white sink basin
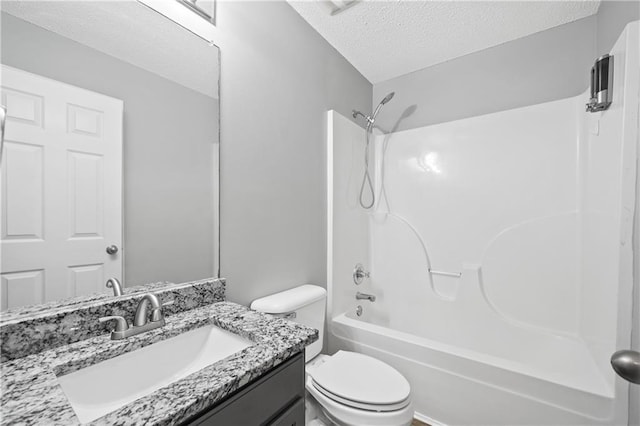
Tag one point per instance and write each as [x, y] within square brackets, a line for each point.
[101, 388]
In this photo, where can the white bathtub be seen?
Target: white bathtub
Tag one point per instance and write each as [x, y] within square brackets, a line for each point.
[455, 386]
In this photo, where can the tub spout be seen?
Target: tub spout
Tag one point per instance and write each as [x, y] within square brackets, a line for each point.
[365, 296]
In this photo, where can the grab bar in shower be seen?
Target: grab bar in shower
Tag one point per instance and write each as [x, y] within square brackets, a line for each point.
[445, 273]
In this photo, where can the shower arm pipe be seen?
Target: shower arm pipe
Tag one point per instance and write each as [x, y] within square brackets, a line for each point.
[366, 117]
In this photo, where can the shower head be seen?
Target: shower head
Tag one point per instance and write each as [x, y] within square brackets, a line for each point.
[371, 118]
[382, 102]
[387, 98]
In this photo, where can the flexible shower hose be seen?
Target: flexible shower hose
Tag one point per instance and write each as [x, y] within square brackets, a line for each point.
[366, 179]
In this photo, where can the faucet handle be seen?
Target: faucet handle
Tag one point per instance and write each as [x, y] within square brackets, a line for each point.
[121, 323]
[359, 274]
[158, 314]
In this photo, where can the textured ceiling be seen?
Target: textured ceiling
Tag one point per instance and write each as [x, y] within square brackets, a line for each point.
[130, 32]
[386, 39]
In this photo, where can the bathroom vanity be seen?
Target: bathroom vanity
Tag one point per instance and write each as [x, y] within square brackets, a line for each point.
[276, 398]
[262, 383]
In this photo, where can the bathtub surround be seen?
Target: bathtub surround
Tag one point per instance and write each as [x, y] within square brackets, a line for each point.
[534, 207]
[31, 393]
[35, 329]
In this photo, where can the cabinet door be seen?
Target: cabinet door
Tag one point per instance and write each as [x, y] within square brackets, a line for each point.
[263, 401]
[293, 416]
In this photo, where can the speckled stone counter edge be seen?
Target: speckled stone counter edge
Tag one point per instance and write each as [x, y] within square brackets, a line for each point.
[35, 329]
[31, 394]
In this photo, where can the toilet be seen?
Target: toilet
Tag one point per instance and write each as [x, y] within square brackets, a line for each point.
[349, 388]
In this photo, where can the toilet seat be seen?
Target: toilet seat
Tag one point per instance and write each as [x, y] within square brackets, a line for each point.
[360, 405]
[343, 415]
[362, 382]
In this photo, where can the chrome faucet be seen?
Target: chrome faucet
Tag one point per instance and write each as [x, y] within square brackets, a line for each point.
[115, 285]
[140, 323]
[141, 312]
[365, 296]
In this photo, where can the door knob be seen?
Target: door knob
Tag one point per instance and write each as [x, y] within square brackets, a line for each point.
[112, 249]
[627, 364]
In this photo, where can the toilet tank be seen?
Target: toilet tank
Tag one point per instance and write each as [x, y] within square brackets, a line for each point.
[304, 304]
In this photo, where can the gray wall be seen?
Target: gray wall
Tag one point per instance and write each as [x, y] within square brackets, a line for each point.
[545, 66]
[612, 17]
[169, 135]
[279, 77]
[542, 67]
[634, 391]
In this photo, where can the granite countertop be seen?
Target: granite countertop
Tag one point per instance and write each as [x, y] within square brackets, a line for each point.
[31, 394]
[56, 307]
[32, 329]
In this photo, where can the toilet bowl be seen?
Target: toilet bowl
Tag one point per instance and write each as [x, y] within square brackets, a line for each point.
[356, 389]
[350, 388]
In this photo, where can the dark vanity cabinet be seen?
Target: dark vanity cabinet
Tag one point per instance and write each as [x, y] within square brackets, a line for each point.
[276, 398]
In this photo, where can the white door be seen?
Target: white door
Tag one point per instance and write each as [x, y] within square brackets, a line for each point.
[61, 190]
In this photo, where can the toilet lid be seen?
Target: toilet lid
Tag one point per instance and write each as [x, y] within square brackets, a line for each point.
[362, 379]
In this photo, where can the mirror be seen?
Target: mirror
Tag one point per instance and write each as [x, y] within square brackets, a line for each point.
[110, 159]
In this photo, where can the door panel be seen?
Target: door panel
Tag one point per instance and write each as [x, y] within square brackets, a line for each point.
[23, 202]
[86, 195]
[61, 190]
[22, 288]
[87, 279]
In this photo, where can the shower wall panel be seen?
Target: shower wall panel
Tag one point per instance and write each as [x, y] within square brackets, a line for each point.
[349, 242]
[497, 193]
[608, 147]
